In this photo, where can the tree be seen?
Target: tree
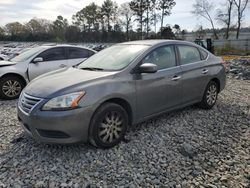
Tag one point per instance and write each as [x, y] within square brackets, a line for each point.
[91, 14]
[177, 30]
[109, 9]
[147, 18]
[165, 6]
[155, 16]
[126, 14]
[1, 31]
[203, 8]
[167, 33]
[59, 28]
[15, 28]
[200, 33]
[78, 20]
[241, 7]
[139, 7]
[225, 16]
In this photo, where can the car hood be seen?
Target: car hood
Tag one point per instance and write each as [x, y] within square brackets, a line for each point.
[6, 63]
[63, 81]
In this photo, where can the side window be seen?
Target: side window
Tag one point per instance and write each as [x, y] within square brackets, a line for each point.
[53, 54]
[76, 53]
[189, 54]
[163, 57]
[204, 54]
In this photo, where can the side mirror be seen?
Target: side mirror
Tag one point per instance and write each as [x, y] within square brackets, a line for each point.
[148, 68]
[38, 59]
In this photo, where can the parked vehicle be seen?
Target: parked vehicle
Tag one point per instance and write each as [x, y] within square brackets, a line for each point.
[119, 86]
[18, 71]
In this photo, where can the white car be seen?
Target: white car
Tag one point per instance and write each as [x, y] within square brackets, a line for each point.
[18, 71]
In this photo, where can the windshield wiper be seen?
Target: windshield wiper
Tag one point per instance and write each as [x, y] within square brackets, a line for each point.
[92, 68]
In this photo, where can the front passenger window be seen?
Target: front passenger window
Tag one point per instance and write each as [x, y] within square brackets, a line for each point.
[53, 54]
[163, 57]
[189, 54]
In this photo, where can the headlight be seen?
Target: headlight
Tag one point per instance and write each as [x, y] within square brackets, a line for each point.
[64, 102]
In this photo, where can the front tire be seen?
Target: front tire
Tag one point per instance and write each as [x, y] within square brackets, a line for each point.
[10, 87]
[108, 126]
[210, 96]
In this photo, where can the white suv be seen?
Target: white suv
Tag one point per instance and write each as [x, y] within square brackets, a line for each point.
[17, 72]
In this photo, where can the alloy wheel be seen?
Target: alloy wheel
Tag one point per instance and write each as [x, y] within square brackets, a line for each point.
[211, 95]
[111, 127]
[11, 88]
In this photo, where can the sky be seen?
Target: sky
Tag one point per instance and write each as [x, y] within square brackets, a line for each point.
[24, 10]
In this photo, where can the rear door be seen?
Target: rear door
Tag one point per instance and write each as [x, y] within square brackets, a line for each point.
[161, 90]
[53, 59]
[195, 73]
[77, 55]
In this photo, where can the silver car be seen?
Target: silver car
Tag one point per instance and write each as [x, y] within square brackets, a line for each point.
[120, 86]
[17, 72]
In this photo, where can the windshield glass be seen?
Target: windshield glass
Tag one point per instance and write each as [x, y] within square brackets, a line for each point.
[113, 58]
[26, 55]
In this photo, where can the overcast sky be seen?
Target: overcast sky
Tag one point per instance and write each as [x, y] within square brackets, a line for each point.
[24, 10]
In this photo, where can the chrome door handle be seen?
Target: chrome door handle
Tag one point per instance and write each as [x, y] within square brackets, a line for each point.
[205, 71]
[176, 78]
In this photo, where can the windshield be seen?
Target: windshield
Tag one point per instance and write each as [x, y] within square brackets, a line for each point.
[26, 55]
[113, 58]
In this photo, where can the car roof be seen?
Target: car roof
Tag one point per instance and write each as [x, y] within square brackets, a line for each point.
[47, 46]
[156, 42]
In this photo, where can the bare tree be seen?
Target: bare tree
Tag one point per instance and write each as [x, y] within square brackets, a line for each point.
[225, 16]
[165, 6]
[203, 8]
[126, 15]
[241, 7]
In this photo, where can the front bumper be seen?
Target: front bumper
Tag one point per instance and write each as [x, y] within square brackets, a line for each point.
[64, 127]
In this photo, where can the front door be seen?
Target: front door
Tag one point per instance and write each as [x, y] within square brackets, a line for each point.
[161, 90]
[53, 59]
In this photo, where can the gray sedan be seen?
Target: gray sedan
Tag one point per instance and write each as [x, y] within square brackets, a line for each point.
[120, 86]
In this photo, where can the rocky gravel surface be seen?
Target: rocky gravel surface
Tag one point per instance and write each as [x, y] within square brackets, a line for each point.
[239, 68]
[186, 148]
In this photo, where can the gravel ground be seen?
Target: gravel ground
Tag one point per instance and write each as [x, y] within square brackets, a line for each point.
[187, 148]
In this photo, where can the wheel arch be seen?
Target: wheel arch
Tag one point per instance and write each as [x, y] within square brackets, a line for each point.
[123, 103]
[17, 75]
[217, 81]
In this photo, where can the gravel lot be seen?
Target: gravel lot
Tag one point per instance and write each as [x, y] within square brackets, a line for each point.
[189, 147]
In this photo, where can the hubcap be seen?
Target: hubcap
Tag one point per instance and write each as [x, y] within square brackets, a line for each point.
[211, 95]
[111, 127]
[11, 88]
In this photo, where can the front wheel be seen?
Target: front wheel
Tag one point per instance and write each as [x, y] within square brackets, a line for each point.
[10, 87]
[210, 96]
[108, 126]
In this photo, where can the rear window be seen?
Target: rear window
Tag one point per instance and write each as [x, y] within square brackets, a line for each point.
[77, 53]
[189, 54]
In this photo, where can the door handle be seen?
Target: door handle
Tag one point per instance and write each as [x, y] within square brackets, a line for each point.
[205, 71]
[62, 66]
[176, 78]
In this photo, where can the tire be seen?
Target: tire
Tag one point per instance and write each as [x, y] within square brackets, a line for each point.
[108, 126]
[210, 96]
[8, 93]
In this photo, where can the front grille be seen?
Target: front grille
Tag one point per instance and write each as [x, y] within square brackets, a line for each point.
[27, 102]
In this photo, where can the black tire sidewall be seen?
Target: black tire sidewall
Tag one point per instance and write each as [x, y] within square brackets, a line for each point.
[3, 80]
[98, 117]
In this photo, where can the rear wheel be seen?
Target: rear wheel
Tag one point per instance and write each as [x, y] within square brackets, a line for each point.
[108, 126]
[10, 87]
[210, 96]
